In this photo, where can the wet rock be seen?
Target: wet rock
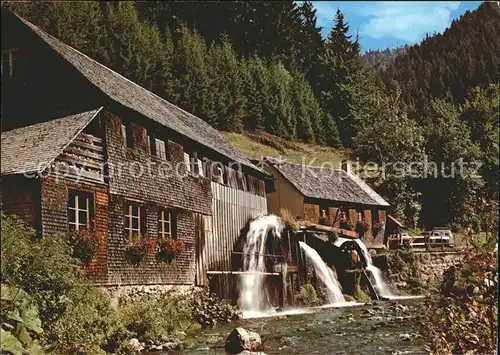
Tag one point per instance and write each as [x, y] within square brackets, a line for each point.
[367, 313]
[405, 337]
[241, 339]
[246, 352]
[135, 344]
[171, 346]
[301, 329]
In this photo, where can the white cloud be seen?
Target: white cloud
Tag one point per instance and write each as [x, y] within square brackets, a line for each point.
[408, 21]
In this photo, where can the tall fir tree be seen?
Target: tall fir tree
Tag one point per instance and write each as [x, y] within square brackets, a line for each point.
[311, 46]
[226, 97]
[256, 88]
[191, 82]
[278, 112]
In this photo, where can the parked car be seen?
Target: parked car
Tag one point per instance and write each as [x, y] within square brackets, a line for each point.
[440, 237]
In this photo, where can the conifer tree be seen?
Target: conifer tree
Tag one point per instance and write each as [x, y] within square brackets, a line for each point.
[80, 24]
[134, 49]
[306, 109]
[226, 98]
[190, 75]
[311, 46]
[257, 90]
[279, 110]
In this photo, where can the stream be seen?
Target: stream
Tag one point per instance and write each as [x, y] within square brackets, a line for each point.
[386, 327]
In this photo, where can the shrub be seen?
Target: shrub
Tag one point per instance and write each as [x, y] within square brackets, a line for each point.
[153, 318]
[21, 325]
[75, 316]
[89, 325]
[463, 317]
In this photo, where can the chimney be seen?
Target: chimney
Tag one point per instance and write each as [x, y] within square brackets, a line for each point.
[346, 166]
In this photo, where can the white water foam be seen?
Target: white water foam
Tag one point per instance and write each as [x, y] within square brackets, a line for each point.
[274, 313]
[252, 296]
[378, 280]
[334, 289]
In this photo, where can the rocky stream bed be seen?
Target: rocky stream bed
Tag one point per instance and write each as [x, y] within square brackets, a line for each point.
[386, 327]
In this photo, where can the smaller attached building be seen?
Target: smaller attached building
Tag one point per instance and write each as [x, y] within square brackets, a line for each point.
[329, 196]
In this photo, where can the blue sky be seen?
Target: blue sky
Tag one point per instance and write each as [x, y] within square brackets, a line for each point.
[384, 24]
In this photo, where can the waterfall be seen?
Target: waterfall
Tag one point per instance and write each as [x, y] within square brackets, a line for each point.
[378, 280]
[252, 295]
[325, 274]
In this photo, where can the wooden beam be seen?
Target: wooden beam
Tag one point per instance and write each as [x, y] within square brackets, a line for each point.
[78, 143]
[85, 163]
[84, 153]
[89, 137]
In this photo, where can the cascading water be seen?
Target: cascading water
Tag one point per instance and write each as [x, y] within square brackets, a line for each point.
[380, 285]
[252, 296]
[334, 291]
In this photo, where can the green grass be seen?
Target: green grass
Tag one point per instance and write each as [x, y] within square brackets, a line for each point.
[258, 145]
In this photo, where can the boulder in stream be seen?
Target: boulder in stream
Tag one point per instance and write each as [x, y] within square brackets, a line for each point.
[243, 341]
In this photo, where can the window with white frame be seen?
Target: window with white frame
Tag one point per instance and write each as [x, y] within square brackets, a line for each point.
[80, 210]
[134, 219]
[201, 171]
[187, 161]
[166, 224]
[161, 152]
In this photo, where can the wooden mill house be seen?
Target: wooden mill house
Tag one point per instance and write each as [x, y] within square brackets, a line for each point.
[323, 195]
[85, 148]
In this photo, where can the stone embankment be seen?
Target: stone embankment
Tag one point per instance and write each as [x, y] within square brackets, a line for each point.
[414, 271]
[432, 264]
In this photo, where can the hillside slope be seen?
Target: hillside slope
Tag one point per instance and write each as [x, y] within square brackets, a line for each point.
[257, 145]
[449, 65]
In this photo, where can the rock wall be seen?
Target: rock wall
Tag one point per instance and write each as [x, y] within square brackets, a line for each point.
[432, 265]
[415, 272]
[127, 293]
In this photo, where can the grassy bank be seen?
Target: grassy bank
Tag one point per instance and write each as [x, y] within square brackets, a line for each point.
[259, 144]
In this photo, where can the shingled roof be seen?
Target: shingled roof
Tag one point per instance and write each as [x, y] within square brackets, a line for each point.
[32, 148]
[142, 101]
[326, 183]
